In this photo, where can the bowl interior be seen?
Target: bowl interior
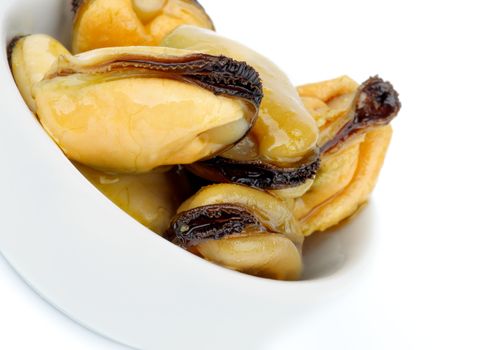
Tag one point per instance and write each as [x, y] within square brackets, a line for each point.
[324, 253]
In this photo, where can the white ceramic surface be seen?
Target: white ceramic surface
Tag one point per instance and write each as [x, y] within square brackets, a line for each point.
[109, 273]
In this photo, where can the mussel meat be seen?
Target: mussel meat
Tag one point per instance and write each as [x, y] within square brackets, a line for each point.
[242, 228]
[354, 137]
[151, 198]
[30, 58]
[133, 22]
[136, 109]
[281, 150]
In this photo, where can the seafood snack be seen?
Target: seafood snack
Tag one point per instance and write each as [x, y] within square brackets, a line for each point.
[281, 150]
[201, 139]
[133, 22]
[242, 228]
[354, 135]
[123, 109]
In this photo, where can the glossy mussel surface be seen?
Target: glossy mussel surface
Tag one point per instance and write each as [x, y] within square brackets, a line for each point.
[136, 109]
[241, 228]
[201, 139]
[354, 137]
[281, 149]
[134, 22]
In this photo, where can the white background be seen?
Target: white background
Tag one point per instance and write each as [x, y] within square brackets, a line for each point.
[434, 279]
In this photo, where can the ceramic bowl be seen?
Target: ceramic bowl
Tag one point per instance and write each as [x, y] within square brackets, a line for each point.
[106, 271]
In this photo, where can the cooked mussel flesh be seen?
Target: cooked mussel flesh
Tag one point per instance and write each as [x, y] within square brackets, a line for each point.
[135, 109]
[354, 135]
[151, 198]
[30, 58]
[241, 228]
[281, 149]
[135, 22]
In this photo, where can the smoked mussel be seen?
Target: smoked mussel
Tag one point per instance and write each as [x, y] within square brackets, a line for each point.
[135, 22]
[150, 198]
[376, 103]
[153, 127]
[242, 228]
[136, 109]
[354, 137]
[30, 58]
[281, 149]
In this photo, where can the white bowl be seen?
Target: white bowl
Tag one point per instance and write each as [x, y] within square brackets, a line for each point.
[108, 272]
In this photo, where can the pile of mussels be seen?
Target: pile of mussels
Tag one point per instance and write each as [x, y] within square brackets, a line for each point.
[200, 138]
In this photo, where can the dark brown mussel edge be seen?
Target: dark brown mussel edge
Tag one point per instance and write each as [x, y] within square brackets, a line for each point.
[219, 74]
[256, 173]
[214, 221]
[10, 47]
[376, 104]
[76, 4]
